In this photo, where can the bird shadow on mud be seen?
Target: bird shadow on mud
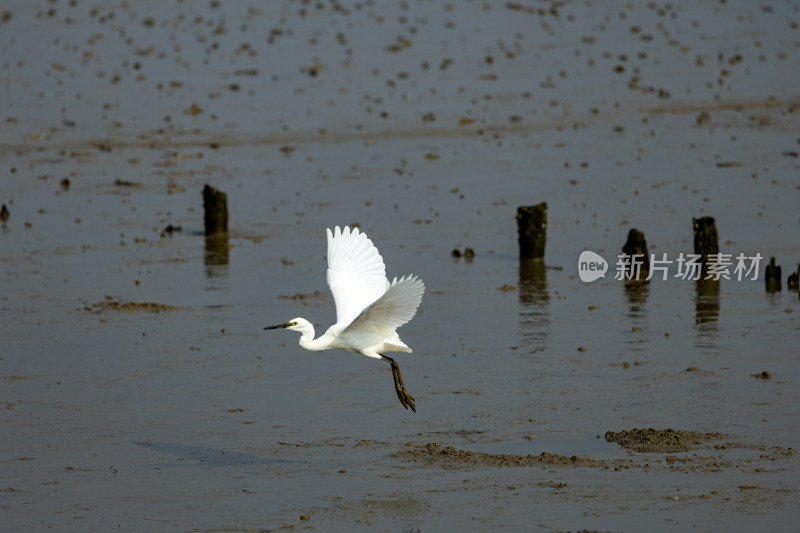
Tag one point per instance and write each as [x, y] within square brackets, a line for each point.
[210, 457]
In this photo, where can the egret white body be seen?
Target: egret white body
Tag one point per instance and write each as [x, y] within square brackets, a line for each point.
[369, 308]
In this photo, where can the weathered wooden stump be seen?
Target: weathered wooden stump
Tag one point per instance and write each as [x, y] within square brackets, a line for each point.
[532, 231]
[772, 276]
[636, 248]
[706, 241]
[793, 281]
[215, 211]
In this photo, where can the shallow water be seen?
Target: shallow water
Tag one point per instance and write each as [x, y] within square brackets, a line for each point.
[427, 124]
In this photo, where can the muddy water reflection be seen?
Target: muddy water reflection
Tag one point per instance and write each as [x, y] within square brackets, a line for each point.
[534, 300]
[706, 313]
[216, 254]
[636, 293]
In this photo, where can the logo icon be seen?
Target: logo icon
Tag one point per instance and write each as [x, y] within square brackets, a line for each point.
[591, 266]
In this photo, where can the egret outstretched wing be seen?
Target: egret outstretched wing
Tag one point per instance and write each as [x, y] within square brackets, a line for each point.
[356, 273]
[397, 306]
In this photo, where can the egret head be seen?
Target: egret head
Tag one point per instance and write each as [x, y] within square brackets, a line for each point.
[295, 324]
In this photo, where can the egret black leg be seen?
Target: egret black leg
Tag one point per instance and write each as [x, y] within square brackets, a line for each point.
[405, 398]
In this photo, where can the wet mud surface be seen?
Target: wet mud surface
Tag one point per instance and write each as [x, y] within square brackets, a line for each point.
[138, 389]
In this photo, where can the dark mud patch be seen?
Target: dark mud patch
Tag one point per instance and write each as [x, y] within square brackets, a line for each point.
[661, 440]
[316, 295]
[371, 511]
[402, 505]
[435, 453]
[110, 304]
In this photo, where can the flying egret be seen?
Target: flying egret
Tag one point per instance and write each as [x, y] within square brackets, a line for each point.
[368, 308]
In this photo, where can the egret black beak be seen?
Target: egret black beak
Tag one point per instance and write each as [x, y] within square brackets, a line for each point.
[279, 326]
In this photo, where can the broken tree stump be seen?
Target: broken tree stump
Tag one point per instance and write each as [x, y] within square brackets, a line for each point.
[532, 231]
[706, 241]
[793, 281]
[772, 276]
[636, 248]
[215, 211]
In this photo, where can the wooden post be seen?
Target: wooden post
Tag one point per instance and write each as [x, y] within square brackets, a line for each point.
[706, 241]
[532, 231]
[772, 276]
[793, 281]
[636, 245]
[215, 210]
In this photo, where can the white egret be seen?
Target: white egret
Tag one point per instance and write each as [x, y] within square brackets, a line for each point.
[368, 308]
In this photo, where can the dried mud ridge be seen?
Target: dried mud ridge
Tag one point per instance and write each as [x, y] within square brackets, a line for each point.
[712, 457]
[110, 304]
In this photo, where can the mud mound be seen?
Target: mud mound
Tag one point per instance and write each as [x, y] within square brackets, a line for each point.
[660, 440]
